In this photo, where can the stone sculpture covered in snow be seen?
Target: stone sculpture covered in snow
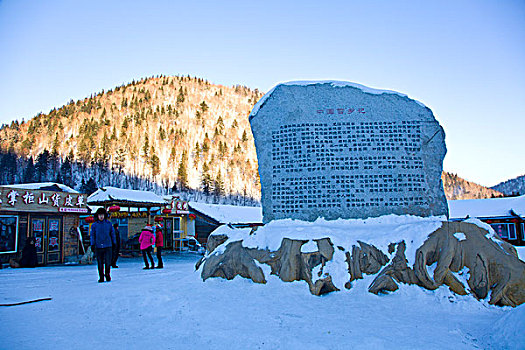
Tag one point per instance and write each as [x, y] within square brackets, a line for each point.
[466, 257]
[359, 171]
[341, 150]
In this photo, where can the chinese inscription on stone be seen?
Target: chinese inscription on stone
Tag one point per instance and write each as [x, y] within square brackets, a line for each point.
[347, 152]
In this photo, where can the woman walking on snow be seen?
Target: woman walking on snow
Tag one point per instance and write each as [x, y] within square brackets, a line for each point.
[146, 240]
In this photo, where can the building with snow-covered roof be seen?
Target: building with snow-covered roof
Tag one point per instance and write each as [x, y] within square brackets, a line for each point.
[134, 209]
[208, 217]
[125, 197]
[43, 186]
[505, 215]
[49, 213]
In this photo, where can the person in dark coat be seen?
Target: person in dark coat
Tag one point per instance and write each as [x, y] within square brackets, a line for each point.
[159, 243]
[102, 241]
[116, 247]
[29, 258]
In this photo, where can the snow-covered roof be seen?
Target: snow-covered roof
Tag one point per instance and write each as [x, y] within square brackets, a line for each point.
[229, 214]
[44, 186]
[114, 194]
[334, 83]
[486, 208]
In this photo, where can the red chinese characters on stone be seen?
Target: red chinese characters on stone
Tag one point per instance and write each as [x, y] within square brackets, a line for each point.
[341, 111]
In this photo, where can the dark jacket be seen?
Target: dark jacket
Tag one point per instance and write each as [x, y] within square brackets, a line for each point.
[29, 258]
[102, 234]
[116, 246]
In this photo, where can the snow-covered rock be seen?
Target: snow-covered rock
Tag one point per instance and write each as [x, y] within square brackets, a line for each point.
[395, 250]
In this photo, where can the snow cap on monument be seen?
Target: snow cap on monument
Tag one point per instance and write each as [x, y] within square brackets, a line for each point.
[342, 150]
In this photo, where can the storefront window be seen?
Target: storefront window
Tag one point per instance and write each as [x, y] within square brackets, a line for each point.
[507, 231]
[8, 234]
[512, 231]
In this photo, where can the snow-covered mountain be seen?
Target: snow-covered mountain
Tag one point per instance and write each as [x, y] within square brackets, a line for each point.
[458, 188]
[512, 187]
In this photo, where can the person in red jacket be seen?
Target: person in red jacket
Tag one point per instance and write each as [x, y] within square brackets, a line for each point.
[159, 243]
[146, 240]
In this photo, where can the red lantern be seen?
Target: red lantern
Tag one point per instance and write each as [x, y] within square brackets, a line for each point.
[114, 209]
[90, 219]
[158, 219]
[166, 211]
[192, 216]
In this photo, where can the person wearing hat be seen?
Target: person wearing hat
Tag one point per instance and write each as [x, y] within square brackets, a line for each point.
[146, 240]
[102, 241]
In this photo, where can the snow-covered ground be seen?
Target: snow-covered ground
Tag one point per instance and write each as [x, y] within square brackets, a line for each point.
[173, 309]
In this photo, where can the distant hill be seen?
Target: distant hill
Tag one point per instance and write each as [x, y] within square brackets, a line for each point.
[512, 187]
[164, 133]
[458, 188]
[182, 133]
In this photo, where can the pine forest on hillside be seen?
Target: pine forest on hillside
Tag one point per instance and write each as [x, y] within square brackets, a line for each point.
[179, 135]
[163, 133]
[512, 187]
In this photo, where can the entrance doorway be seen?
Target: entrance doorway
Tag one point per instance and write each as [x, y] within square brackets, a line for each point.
[168, 233]
[172, 233]
[47, 232]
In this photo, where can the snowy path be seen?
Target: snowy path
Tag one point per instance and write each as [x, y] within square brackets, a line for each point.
[173, 309]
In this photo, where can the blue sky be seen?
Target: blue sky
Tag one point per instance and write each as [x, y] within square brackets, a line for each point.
[463, 59]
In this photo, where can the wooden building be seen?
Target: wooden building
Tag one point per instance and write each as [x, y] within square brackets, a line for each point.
[209, 217]
[141, 208]
[49, 212]
[178, 224]
[505, 215]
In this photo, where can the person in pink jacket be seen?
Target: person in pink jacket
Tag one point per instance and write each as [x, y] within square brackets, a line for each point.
[146, 240]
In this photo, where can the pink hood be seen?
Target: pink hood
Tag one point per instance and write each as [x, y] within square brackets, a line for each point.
[146, 239]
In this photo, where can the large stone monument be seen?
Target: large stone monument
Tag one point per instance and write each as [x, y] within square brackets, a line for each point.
[342, 150]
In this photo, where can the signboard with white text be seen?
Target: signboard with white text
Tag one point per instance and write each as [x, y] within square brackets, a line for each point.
[14, 199]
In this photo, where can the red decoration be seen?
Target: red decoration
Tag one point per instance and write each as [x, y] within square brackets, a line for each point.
[90, 219]
[114, 209]
[192, 216]
[166, 211]
[53, 241]
[158, 219]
